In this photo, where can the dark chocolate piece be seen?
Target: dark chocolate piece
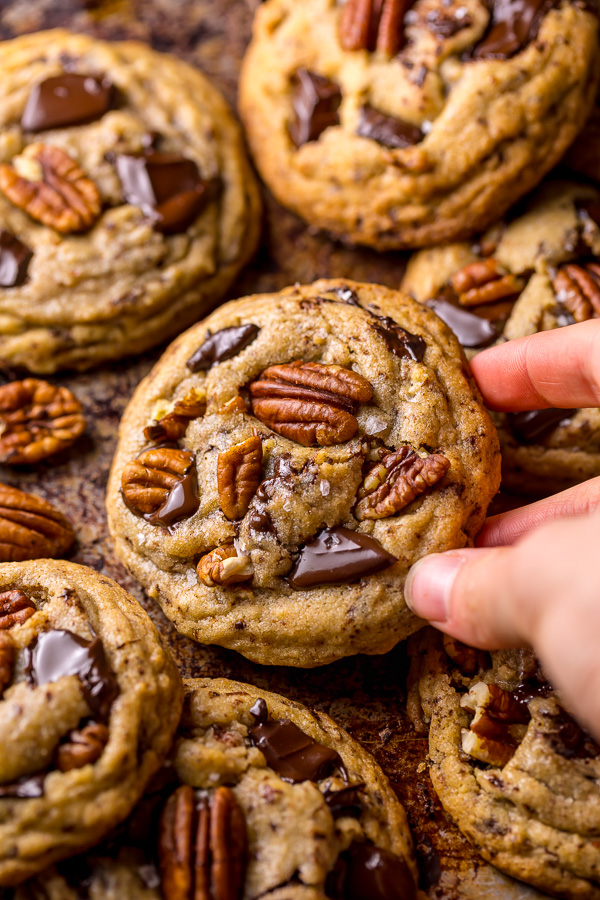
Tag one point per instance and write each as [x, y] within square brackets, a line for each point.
[316, 101]
[387, 130]
[288, 751]
[14, 260]
[366, 872]
[346, 295]
[446, 26]
[345, 801]
[65, 100]
[181, 503]
[570, 741]
[54, 654]
[338, 555]
[260, 712]
[401, 342]
[513, 25]
[222, 345]
[535, 425]
[26, 787]
[260, 521]
[471, 330]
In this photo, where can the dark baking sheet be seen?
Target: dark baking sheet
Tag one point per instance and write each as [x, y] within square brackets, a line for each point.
[365, 695]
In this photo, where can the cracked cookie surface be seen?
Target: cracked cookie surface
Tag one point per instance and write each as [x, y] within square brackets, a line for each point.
[288, 460]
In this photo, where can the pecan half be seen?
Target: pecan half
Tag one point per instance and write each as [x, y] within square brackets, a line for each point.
[15, 608]
[7, 660]
[309, 402]
[239, 472]
[37, 420]
[223, 566]
[497, 726]
[577, 288]
[485, 281]
[30, 528]
[202, 848]
[83, 747]
[56, 191]
[374, 25]
[393, 483]
[147, 481]
[173, 425]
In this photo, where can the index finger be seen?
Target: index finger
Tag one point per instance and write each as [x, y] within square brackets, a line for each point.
[558, 368]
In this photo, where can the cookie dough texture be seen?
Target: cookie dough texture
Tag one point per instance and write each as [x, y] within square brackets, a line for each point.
[122, 286]
[77, 808]
[538, 817]
[553, 230]
[432, 405]
[491, 127]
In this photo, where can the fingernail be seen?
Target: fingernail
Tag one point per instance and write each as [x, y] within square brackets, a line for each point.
[429, 586]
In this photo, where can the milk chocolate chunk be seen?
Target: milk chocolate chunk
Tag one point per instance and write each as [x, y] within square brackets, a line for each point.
[65, 100]
[513, 25]
[54, 654]
[222, 345]
[535, 425]
[316, 102]
[366, 872]
[471, 330]
[387, 130]
[14, 260]
[338, 555]
[288, 751]
[181, 503]
[399, 341]
[24, 788]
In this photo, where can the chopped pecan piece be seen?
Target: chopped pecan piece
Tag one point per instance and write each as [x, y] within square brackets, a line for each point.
[147, 481]
[173, 425]
[223, 566]
[30, 528]
[393, 483]
[486, 749]
[83, 747]
[577, 288]
[202, 848]
[309, 402]
[239, 472]
[7, 659]
[15, 608]
[485, 281]
[498, 724]
[37, 420]
[57, 192]
[374, 25]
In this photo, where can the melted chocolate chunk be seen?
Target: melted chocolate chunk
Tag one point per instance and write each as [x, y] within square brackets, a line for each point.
[166, 186]
[65, 100]
[14, 260]
[288, 751]
[570, 741]
[346, 295]
[345, 802]
[54, 654]
[338, 555]
[471, 330]
[513, 25]
[446, 25]
[26, 787]
[222, 345]
[366, 872]
[181, 503]
[387, 130]
[316, 101]
[535, 425]
[401, 343]
[260, 521]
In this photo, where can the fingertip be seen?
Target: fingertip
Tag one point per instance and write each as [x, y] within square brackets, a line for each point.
[429, 584]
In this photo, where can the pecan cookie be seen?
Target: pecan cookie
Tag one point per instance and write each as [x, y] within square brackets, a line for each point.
[126, 200]
[89, 703]
[537, 272]
[510, 765]
[399, 124]
[288, 460]
[263, 799]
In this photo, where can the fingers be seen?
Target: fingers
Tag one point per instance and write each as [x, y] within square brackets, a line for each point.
[553, 368]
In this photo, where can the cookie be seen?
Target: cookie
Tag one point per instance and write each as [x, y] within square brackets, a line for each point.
[510, 765]
[536, 272]
[127, 204]
[89, 703]
[288, 460]
[295, 808]
[584, 155]
[406, 124]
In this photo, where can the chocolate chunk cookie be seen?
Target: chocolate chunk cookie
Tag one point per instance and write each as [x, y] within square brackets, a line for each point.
[400, 124]
[537, 272]
[516, 773]
[89, 703]
[127, 205]
[288, 460]
[263, 799]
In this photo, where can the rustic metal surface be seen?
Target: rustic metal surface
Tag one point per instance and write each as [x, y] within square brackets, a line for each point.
[365, 695]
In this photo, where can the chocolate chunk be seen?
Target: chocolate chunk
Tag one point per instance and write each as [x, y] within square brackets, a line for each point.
[513, 25]
[535, 425]
[166, 186]
[345, 802]
[181, 503]
[26, 787]
[569, 740]
[366, 872]
[446, 26]
[54, 654]
[401, 343]
[471, 330]
[14, 260]
[222, 345]
[387, 130]
[346, 295]
[260, 521]
[338, 555]
[316, 101]
[288, 751]
[65, 100]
